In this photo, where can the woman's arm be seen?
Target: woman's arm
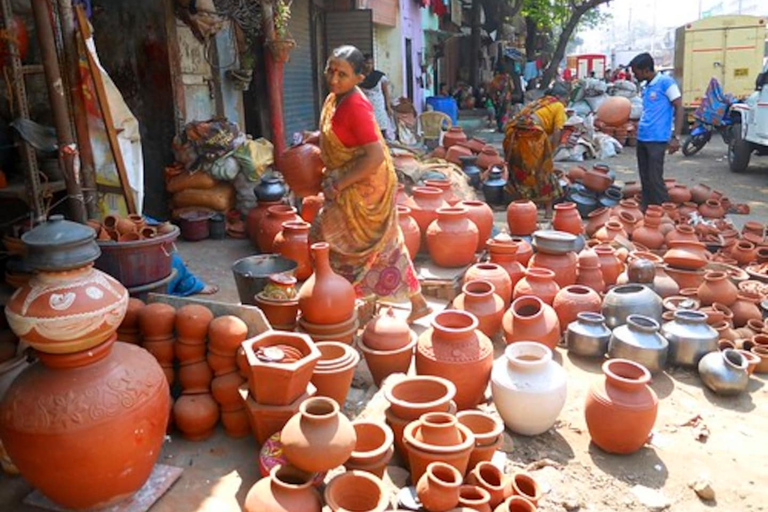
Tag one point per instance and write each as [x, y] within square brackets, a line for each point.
[363, 167]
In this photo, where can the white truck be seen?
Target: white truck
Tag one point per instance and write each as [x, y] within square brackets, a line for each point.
[750, 129]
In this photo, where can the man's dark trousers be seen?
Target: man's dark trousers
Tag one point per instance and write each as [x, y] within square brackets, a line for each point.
[650, 164]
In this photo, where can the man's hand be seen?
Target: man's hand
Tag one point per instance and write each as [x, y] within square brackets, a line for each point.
[674, 145]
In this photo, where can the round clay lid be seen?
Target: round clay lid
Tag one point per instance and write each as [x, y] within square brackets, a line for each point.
[386, 332]
[60, 244]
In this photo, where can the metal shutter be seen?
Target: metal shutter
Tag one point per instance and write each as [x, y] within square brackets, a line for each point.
[299, 102]
[349, 27]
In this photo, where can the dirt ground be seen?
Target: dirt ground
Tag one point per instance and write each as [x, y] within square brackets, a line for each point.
[698, 436]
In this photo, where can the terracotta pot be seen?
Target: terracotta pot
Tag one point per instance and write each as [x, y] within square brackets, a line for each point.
[383, 363]
[287, 489]
[522, 216]
[505, 255]
[281, 314]
[686, 278]
[563, 265]
[226, 333]
[481, 214]
[489, 157]
[452, 238]
[700, 193]
[479, 298]
[712, 209]
[614, 111]
[414, 396]
[539, 282]
[191, 322]
[319, 437]
[596, 220]
[438, 487]
[530, 318]
[374, 447]
[588, 271]
[576, 173]
[269, 420]
[453, 444]
[187, 352]
[225, 390]
[127, 388]
[649, 234]
[235, 422]
[628, 223]
[490, 478]
[524, 250]
[387, 332]
[447, 189]
[292, 242]
[196, 415]
[746, 308]
[255, 217]
[302, 167]
[474, 498]
[161, 350]
[495, 274]
[326, 297]
[762, 353]
[685, 209]
[334, 370]
[566, 218]
[195, 376]
[356, 490]
[525, 486]
[679, 194]
[621, 410]
[455, 349]
[597, 180]
[272, 224]
[424, 205]
[610, 265]
[455, 153]
[629, 206]
[682, 233]
[632, 188]
[410, 230]
[516, 504]
[572, 300]
[311, 206]
[131, 319]
[744, 253]
[488, 432]
[609, 231]
[453, 136]
[717, 287]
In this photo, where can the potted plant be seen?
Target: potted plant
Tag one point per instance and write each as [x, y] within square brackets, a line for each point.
[282, 43]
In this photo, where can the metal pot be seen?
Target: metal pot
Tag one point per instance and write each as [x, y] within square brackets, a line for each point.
[588, 336]
[493, 189]
[628, 299]
[690, 337]
[270, 189]
[610, 197]
[639, 341]
[724, 372]
[60, 245]
[586, 200]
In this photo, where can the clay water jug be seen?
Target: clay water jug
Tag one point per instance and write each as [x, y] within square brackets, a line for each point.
[529, 318]
[272, 224]
[563, 265]
[410, 230]
[482, 215]
[566, 218]
[452, 238]
[255, 217]
[293, 243]
[326, 297]
[495, 274]
[649, 234]
[522, 217]
[424, 205]
[609, 231]
[478, 297]
[302, 167]
[539, 282]
[504, 254]
[717, 287]
[453, 136]
[287, 489]
[572, 300]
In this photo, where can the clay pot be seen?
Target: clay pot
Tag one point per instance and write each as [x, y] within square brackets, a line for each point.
[387, 332]
[311, 206]
[287, 489]
[649, 234]
[383, 363]
[374, 447]
[523, 485]
[539, 282]
[504, 254]
[414, 396]
[455, 153]
[631, 189]
[572, 300]
[700, 193]
[489, 157]
[744, 253]
[326, 297]
[563, 265]
[522, 217]
[438, 488]
[474, 498]
[528, 388]
[454, 348]
[452, 238]
[453, 136]
[161, 350]
[596, 220]
[746, 308]
[495, 274]
[482, 216]
[530, 318]
[629, 206]
[224, 390]
[516, 504]
[424, 205]
[491, 479]
[597, 180]
[447, 189]
[356, 490]
[292, 242]
[614, 111]
[686, 278]
[195, 376]
[281, 314]
[437, 437]
[226, 333]
[609, 231]
[712, 209]
[717, 287]
[127, 388]
[524, 250]
[679, 194]
[319, 437]
[131, 319]
[621, 410]
[479, 298]
[588, 271]
[576, 173]
[272, 224]
[682, 233]
[566, 218]
[410, 230]
[685, 209]
[302, 167]
[610, 265]
[191, 322]
[488, 432]
[334, 370]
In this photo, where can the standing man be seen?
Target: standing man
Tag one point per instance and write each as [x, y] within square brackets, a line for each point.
[661, 98]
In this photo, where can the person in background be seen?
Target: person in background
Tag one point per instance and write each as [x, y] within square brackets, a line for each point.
[376, 88]
[662, 104]
[443, 90]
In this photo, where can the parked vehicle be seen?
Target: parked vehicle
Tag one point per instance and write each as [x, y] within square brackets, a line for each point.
[713, 115]
[750, 129]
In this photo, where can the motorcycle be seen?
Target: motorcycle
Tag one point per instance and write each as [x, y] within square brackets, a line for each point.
[713, 115]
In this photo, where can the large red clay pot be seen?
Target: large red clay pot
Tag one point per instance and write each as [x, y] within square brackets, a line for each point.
[387, 332]
[455, 349]
[226, 333]
[572, 300]
[287, 489]
[478, 297]
[712, 209]
[563, 265]
[744, 253]
[481, 214]
[504, 254]
[529, 318]
[539, 282]
[326, 297]
[681, 233]
[522, 217]
[424, 205]
[272, 224]
[717, 287]
[649, 234]
[495, 274]
[621, 410]
[254, 218]
[293, 243]
[679, 194]
[609, 231]
[447, 188]
[746, 308]
[410, 230]
[566, 218]
[629, 206]
[453, 136]
[489, 157]
[302, 167]
[614, 111]
[106, 408]
[452, 238]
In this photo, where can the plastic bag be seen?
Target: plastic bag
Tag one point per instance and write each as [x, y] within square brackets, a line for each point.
[637, 108]
[596, 101]
[255, 156]
[225, 169]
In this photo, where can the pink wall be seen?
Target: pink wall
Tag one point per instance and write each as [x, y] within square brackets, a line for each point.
[410, 22]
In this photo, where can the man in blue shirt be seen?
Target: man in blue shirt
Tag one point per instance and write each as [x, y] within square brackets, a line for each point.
[661, 100]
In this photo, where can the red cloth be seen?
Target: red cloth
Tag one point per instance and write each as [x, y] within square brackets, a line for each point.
[438, 7]
[354, 123]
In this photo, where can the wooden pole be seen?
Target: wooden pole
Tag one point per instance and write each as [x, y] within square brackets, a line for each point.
[275, 73]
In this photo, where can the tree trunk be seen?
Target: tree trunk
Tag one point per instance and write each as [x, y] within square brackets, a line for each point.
[531, 35]
[474, 47]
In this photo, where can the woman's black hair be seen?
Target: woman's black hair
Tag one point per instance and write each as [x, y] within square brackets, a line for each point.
[350, 54]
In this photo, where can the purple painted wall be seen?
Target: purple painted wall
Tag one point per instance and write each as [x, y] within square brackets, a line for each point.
[410, 22]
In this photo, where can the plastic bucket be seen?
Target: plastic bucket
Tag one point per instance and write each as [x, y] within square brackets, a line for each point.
[140, 262]
[252, 274]
[445, 104]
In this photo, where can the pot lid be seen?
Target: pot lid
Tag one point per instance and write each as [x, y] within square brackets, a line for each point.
[60, 244]
[389, 327]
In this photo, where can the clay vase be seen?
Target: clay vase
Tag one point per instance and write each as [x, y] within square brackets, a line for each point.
[292, 242]
[609, 231]
[746, 308]
[563, 265]
[610, 265]
[302, 167]
[717, 287]
[572, 300]
[649, 234]
[438, 487]
[595, 220]
[529, 318]
[452, 238]
[588, 271]
[539, 282]
[495, 274]
[319, 437]
[479, 298]
[75, 407]
[424, 205]
[566, 218]
[326, 297]
[311, 206]
[712, 209]
[454, 348]
[254, 219]
[621, 410]
[473, 497]
[744, 253]
[504, 254]
[410, 230]
[356, 490]
[528, 388]
[481, 214]
[272, 224]
[288, 489]
[522, 217]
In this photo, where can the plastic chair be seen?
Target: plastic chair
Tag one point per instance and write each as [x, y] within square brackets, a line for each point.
[432, 125]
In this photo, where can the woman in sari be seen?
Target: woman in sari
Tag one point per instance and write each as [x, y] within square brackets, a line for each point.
[529, 142]
[358, 219]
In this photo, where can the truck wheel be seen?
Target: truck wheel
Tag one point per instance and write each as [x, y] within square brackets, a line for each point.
[739, 151]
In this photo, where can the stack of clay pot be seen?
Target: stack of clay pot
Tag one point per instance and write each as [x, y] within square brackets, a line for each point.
[225, 335]
[279, 366]
[327, 302]
[374, 447]
[126, 229]
[128, 331]
[335, 369]
[387, 345]
[156, 322]
[279, 302]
